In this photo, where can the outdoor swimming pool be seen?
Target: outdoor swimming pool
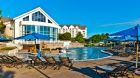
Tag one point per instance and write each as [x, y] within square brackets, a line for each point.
[86, 53]
[77, 54]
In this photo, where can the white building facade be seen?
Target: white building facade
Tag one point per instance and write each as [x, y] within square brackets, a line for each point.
[37, 21]
[73, 29]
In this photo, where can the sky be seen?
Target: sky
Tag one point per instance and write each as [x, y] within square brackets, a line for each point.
[100, 16]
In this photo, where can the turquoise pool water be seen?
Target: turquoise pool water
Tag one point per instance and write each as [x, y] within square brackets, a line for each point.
[86, 53]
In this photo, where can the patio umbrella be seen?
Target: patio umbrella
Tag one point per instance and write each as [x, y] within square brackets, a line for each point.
[134, 32]
[34, 36]
[122, 39]
[4, 40]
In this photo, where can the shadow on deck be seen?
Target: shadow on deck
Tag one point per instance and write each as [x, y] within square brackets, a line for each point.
[90, 72]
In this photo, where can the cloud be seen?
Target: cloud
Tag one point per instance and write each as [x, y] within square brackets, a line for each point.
[134, 22]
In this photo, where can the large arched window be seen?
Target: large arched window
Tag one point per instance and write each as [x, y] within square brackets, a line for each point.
[38, 16]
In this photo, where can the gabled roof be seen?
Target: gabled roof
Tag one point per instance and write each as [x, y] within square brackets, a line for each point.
[35, 10]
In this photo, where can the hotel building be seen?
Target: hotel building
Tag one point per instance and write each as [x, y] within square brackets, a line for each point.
[37, 21]
[73, 29]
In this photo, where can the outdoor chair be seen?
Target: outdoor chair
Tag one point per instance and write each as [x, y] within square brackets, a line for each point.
[17, 62]
[43, 63]
[115, 71]
[123, 54]
[1, 61]
[7, 61]
[37, 62]
[118, 72]
[65, 61]
[11, 61]
[52, 62]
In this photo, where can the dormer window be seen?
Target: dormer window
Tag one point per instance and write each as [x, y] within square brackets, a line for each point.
[26, 18]
[38, 16]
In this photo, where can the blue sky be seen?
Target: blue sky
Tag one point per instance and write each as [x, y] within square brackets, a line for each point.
[100, 16]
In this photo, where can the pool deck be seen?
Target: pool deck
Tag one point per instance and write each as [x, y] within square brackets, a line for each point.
[81, 69]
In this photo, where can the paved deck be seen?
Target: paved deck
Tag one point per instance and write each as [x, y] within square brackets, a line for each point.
[83, 69]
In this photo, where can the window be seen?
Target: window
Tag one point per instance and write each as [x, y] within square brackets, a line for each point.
[28, 29]
[26, 18]
[49, 21]
[38, 16]
[43, 30]
[54, 32]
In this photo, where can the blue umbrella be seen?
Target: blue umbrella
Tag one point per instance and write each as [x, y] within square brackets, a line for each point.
[122, 39]
[34, 36]
[114, 39]
[134, 32]
[4, 40]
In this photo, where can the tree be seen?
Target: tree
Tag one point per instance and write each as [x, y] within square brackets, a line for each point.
[95, 38]
[65, 36]
[98, 37]
[73, 39]
[2, 26]
[79, 37]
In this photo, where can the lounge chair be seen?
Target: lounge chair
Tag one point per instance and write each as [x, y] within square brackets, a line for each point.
[1, 60]
[17, 62]
[66, 62]
[11, 61]
[123, 54]
[7, 61]
[115, 71]
[52, 62]
[36, 62]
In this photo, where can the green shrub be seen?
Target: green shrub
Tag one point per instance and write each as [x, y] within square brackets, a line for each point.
[7, 48]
